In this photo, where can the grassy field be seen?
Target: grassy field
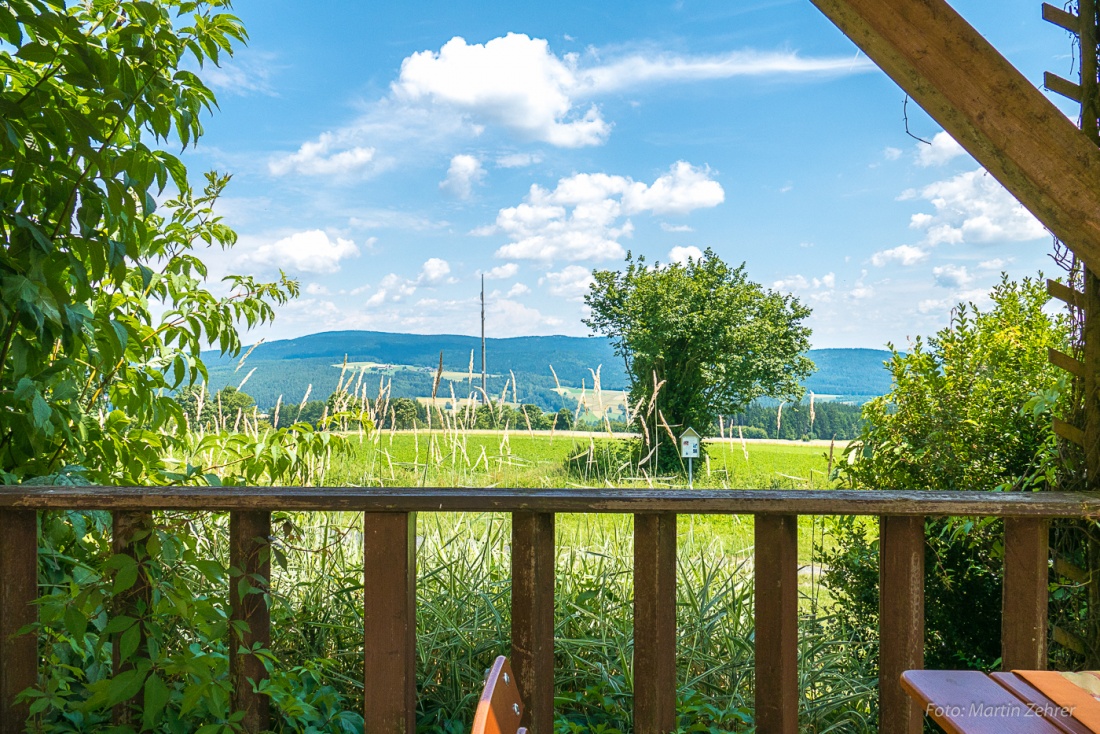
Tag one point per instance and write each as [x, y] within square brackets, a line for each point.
[406, 458]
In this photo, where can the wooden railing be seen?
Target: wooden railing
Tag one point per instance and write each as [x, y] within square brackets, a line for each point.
[389, 548]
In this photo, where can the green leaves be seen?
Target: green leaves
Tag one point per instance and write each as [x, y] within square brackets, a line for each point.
[700, 340]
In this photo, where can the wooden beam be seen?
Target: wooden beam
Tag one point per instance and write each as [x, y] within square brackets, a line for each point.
[1060, 18]
[130, 532]
[18, 590]
[900, 620]
[1066, 362]
[1025, 595]
[533, 617]
[654, 623]
[1058, 85]
[1069, 432]
[988, 106]
[389, 623]
[775, 577]
[249, 585]
[1065, 294]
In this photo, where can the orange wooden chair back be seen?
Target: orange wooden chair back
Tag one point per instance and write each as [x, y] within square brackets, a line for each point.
[500, 709]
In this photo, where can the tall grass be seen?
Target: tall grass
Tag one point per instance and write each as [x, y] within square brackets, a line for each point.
[463, 622]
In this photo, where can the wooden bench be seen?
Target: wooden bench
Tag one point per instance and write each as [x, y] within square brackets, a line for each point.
[971, 702]
[500, 709]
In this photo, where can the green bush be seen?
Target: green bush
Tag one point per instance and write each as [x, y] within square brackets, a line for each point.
[960, 417]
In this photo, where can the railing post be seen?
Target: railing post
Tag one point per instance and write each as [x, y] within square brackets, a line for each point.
[533, 617]
[901, 620]
[18, 590]
[776, 590]
[249, 586]
[389, 622]
[654, 623]
[1026, 591]
[129, 533]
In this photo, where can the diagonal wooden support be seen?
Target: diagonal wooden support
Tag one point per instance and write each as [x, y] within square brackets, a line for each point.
[994, 112]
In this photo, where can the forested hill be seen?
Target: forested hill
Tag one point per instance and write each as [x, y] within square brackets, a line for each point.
[289, 367]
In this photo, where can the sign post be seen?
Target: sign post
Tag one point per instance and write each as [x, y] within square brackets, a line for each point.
[689, 449]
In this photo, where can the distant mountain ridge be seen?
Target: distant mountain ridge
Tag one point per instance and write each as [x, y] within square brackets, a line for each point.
[288, 367]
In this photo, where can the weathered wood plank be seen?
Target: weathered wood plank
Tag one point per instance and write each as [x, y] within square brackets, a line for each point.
[901, 620]
[129, 532]
[994, 112]
[421, 499]
[1025, 594]
[1065, 294]
[389, 622]
[533, 617]
[1061, 86]
[18, 589]
[1069, 432]
[1060, 18]
[249, 584]
[654, 623]
[776, 593]
[1066, 362]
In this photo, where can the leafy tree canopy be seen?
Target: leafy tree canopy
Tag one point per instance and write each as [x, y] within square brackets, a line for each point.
[698, 339]
[105, 306]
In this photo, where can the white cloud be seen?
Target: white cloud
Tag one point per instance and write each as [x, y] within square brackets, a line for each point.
[791, 284]
[584, 216]
[517, 289]
[996, 263]
[308, 252]
[434, 270]
[973, 207]
[572, 282]
[514, 81]
[501, 272]
[683, 189]
[951, 276]
[638, 69]
[518, 84]
[676, 227]
[904, 254]
[518, 160]
[464, 172]
[681, 255]
[821, 290]
[943, 149]
[891, 154]
[316, 289]
[324, 157]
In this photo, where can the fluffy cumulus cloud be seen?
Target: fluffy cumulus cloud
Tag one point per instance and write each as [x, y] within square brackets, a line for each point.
[464, 172]
[585, 215]
[394, 288]
[951, 276]
[514, 81]
[681, 254]
[435, 270]
[904, 254]
[942, 149]
[816, 289]
[312, 251]
[571, 282]
[326, 156]
[973, 207]
[501, 272]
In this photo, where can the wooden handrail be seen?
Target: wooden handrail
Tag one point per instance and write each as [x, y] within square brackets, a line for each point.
[389, 546]
[681, 501]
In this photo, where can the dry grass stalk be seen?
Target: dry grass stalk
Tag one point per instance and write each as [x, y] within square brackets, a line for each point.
[305, 399]
[250, 350]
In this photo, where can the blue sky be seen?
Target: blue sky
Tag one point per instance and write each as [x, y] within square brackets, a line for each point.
[386, 155]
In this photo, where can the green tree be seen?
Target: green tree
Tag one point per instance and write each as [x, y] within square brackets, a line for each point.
[104, 312]
[699, 340]
[969, 410]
